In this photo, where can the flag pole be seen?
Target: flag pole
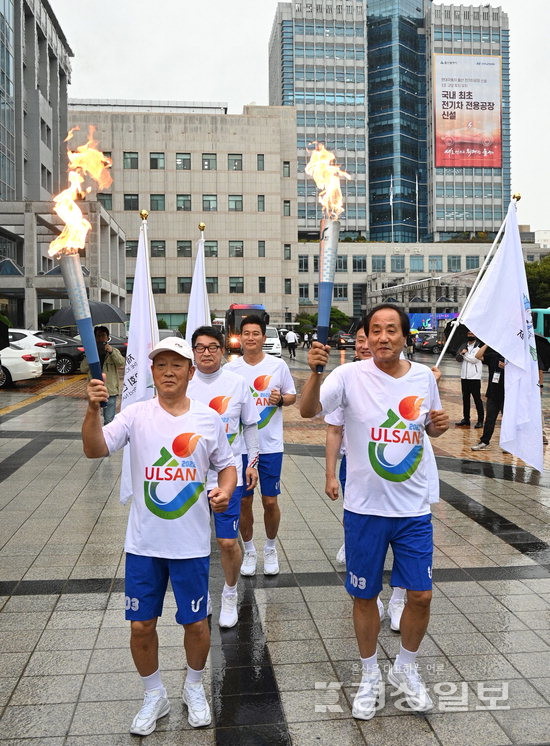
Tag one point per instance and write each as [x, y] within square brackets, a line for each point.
[456, 323]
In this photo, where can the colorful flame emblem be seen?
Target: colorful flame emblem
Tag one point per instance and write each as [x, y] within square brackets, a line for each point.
[185, 444]
[404, 469]
[262, 382]
[186, 497]
[409, 407]
[220, 404]
[265, 416]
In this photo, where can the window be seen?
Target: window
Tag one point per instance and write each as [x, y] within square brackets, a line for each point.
[211, 284]
[286, 168]
[341, 263]
[156, 161]
[287, 254]
[235, 203]
[417, 263]
[260, 162]
[288, 286]
[209, 202]
[235, 162]
[183, 202]
[131, 248]
[454, 263]
[184, 284]
[183, 161]
[158, 248]
[129, 160]
[397, 263]
[261, 248]
[209, 162]
[359, 263]
[316, 262]
[261, 284]
[157, 202]
[210, 248]
[472, 262]
[286, 207]
[129, 284]
[378, 263]
[236, 284]
[261, 202]
[435, 263]
[303, 291]
[236, 248]
[130, 201]
[303, 263]
[184, 248]
[340, 291]
[158, 284]
[106, 200]
[315, 291]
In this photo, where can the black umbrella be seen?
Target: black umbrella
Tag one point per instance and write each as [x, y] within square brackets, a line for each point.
[102, 313]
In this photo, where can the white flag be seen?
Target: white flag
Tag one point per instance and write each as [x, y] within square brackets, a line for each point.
[391, 189]
[143, 335]
[198, 311]
[499, 313]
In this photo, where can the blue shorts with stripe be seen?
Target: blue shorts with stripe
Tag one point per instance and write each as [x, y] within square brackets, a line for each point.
[269, 473]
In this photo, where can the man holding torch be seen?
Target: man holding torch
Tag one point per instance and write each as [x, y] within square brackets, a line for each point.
[389, 406]
[173, 442]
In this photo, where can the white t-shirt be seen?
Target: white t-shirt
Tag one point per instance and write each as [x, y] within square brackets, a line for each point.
[270, 373]
[388, 471]
[170, 456]
[229, 395]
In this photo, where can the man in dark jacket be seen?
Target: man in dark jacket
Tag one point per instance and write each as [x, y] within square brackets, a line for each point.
[494, 394]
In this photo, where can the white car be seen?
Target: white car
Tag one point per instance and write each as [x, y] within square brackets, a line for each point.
[28, 340]
[18, 365]
[272, 343]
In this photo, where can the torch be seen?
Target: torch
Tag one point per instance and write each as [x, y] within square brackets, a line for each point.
[322, 167]
[86, 160]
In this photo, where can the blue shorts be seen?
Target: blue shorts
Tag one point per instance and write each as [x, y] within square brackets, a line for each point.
[269, 473]
[146, 581]
[367, 541]
[227, 523]
[342, 473]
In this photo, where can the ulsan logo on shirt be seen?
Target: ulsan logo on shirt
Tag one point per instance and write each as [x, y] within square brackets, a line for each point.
[260, 391]
[393, 431]
[220, 404]
[167, 470]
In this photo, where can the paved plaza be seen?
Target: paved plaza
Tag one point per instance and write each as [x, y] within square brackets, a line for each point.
[287, 673]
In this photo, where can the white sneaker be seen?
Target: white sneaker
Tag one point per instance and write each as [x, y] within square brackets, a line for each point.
[395, 609]
[271, 562]
[341, 555]
[410, 683]
[209, 605]
[364, 704]
[155, 706]
[228, 613]
[198, 708]
[380, 608]
[480, 446]
[248, 566]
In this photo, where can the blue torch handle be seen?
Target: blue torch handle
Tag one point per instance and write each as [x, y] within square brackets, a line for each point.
[86, 331]
[323, 315]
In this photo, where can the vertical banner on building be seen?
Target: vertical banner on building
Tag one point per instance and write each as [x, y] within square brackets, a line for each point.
[467, 98]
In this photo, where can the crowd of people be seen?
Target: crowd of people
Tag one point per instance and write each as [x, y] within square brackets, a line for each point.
[214, 432]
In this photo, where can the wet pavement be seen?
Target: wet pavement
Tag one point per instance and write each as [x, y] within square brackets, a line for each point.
[288, 672]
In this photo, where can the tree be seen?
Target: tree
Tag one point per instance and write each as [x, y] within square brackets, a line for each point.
[308, 321]
[538, 282]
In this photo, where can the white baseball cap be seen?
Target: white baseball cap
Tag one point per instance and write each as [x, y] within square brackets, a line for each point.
[172, 344]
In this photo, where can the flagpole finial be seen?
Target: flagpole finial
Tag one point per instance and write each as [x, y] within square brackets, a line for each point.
[516, 196]
[202, 226]
[143, 214]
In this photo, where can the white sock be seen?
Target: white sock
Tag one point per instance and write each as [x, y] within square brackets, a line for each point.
[229, 590]
[193, 677]
[370, 664]
[249, 546]
[153, 681]
[405, 659]
[398, 594]
[269, 544]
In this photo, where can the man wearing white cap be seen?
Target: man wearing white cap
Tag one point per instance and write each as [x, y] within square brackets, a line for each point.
[173, 442]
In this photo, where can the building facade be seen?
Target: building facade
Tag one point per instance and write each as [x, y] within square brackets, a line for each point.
[193, 163]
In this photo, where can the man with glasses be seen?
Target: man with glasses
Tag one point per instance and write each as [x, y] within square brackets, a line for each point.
[227, 394]
[272, 388]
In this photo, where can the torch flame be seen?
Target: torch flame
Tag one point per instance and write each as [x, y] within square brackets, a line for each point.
[86, 160]
[326, 173]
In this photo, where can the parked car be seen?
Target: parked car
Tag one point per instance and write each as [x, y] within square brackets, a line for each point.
[272, 343]
[341, 340]
[18, 364]
[29, 340]
[428, 343]
[69, 351]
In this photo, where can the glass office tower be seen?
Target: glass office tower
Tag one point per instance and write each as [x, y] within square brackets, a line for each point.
[7, 102]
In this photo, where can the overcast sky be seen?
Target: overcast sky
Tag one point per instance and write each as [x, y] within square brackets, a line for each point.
[216, 50]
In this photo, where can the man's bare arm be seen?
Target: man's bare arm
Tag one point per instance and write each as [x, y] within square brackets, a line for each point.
[332, 448]
[92, 434]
